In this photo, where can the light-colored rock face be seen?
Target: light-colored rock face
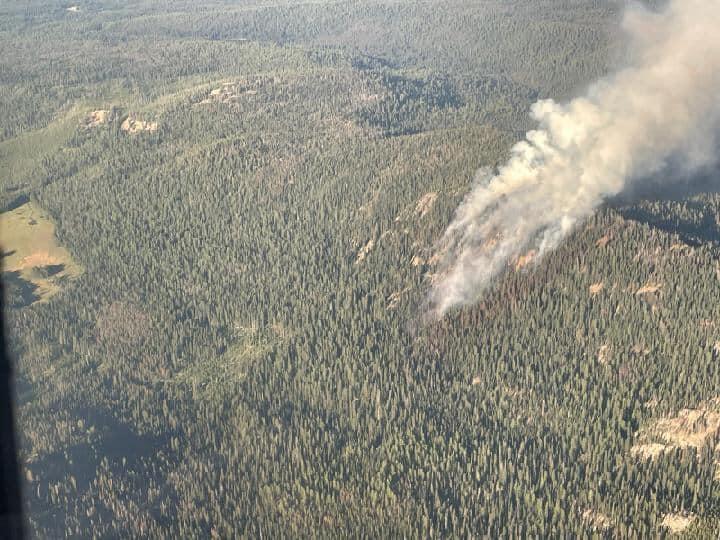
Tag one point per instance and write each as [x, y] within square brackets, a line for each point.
[132, 125]
[596, 521]
[96, 118]
[231, 92]
[648, 451]
[595, 288]
[689, 428]
[367, 248]
[649, 288]
[677, 523]
[604, 354]
[394, 300]
[425, 204]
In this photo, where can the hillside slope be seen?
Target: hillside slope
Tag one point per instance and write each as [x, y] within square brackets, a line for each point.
[254, 192]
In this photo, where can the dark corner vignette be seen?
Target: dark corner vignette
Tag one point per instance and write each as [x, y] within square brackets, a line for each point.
[11, 516]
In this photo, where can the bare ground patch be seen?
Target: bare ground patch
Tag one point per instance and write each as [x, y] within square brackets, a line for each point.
[604, 354]
[597, 521]
[393, 301]
[595, 288]
[367, 248]
[230, 92]
[677, 523]
[133, 125]
[417, 260]
[96, 118]
[425, 204]
[689, 428]
[649, 288]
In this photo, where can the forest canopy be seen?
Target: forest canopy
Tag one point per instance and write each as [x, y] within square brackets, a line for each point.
[245, 198]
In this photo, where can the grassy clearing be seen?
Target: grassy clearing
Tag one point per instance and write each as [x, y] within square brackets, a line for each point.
[20, 155]
[182, 89]
[30, 251]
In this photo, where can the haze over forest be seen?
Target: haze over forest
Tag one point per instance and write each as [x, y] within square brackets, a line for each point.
[224, 226]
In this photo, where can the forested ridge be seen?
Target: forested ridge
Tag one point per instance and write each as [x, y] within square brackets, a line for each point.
[254, 191]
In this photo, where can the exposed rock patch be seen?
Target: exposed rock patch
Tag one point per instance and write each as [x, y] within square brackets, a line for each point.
[231, 92]
[649, 451]
[597, 520]
[133, 125]
[595, 288]
[649, 288]
[393, 301]
[425, 204]
[604, 354]
[367, 248]
[677, 523]
[96, 118]
[690, 428]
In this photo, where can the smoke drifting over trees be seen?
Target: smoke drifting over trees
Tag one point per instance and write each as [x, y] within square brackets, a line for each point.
[661, 110]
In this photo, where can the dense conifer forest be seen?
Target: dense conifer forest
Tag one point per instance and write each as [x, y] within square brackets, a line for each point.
[222, 331]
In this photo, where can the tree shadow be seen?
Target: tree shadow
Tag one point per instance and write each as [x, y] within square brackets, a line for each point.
[689, 208]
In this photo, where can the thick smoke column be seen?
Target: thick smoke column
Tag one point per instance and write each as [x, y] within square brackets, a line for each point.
[664, 107]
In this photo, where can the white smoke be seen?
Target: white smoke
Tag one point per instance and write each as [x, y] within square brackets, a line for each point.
[664, 106]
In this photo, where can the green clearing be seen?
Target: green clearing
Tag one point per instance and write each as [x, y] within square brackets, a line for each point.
[20, 155]
[30, 249]
[227, 369]
[215, 378]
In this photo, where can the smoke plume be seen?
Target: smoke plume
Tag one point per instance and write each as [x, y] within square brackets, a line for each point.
[664, 108]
